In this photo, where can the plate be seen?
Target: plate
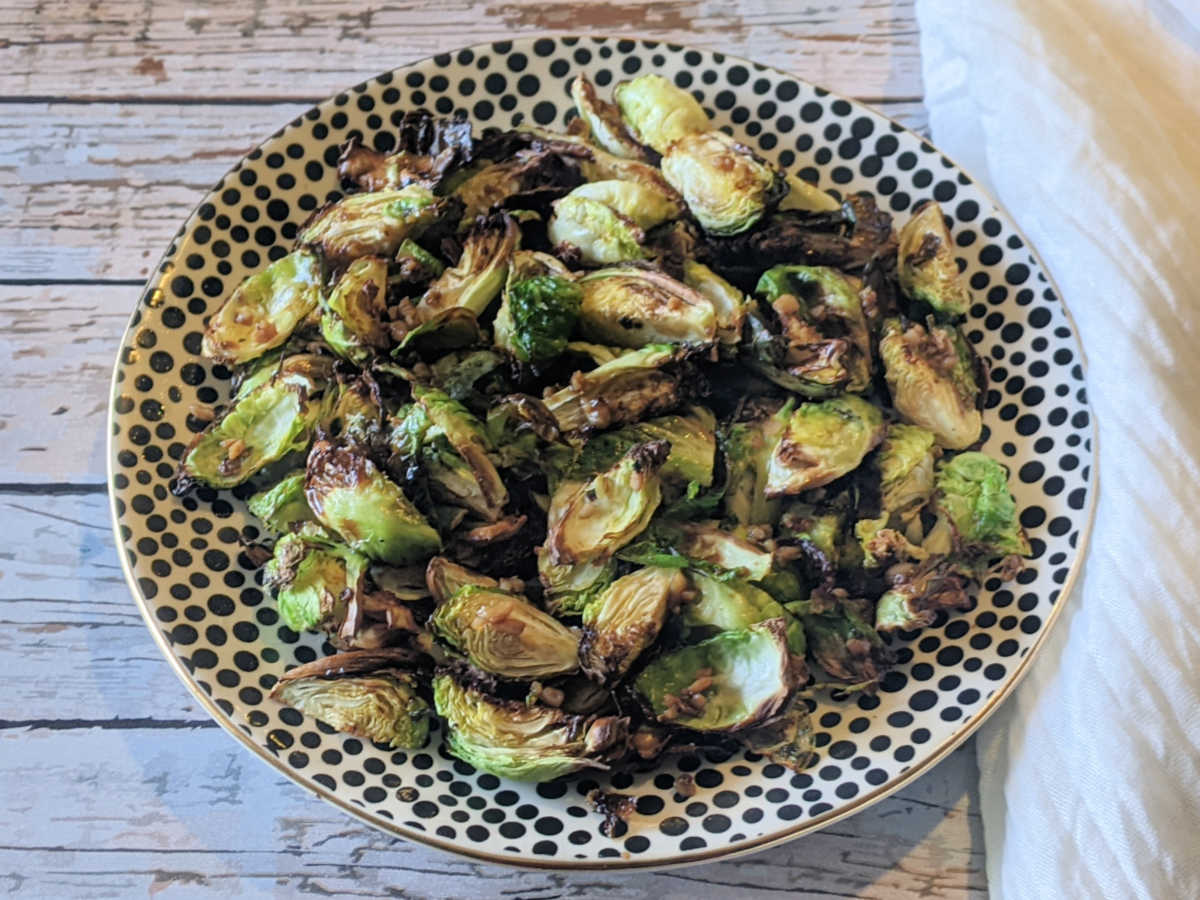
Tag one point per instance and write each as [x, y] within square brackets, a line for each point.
[199, 595]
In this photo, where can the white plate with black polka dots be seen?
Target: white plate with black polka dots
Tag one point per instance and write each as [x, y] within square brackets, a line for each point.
[200, 597]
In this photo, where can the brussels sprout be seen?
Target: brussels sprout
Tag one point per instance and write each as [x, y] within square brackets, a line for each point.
[370, 224]
[626, 619]
[590, 521]
[569, 588]
[427, 149]
[786, 739]
[526, 743]
[824, 332]
[927, 269]
[357, 414]
[708, 542]
[822, 442]
[747, 447]
[529, 178]
[416, 264]
[626, 389]
[819, 528]
[384, 707]
[604, 122]
[528, 265]
[935, 380]
[906, 460]
[729, 304]
[539, 316]
[444, 577]
[730, 604]
[313, 581]
[466, 435]
[350, 496]
[917, 592]
[646, 204]
[446, 329]
[352, 321]
[274, 419]
[976, 508]
[283, 504]
[732, 681]
[726, 186]
[505, 634]
[594, 232]
[657, 112]
[302, 370]
[264, 310]
[690, 435]
[477, 279]
[808, 197]
[845, 646]
[635, 307]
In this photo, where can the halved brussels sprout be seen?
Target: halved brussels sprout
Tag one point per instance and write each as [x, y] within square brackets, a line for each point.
[593, 232]
[708, 542]
[787, 739]
[467, 436]
[826, 340]
[282, 505]
[526, 743]
[748, 447]
[479, 275]
[927, 269]
[350, 496]
[569, 588]
[658, 112]
[729, 604]
[819, 527]
[357, 414]
[302, 370]
[604, 122]
[726, 185]
[590, 521]
[906, 461]
[935, 380]
[729, 304]
[808, 197]
[845, 646]
[976, 513]
[265, 309]
[352, 321]
[313, 580]
[384, 707]
[626, 619]
[917, 592]
[506, 635]
[274, 419]
[444, 577]
[646, 204]
[732, 681]
[635, 307]
[881, 545]
[540, 314]
[626, 389]
[822, 442]
[690, 434]
[370, 224]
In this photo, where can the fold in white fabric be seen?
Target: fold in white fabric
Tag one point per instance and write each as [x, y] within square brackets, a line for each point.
[1084, 118]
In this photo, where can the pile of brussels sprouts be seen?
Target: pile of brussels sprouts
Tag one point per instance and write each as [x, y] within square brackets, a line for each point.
[593, 444]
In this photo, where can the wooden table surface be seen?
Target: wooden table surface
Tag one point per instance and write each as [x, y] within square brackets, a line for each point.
[115, 117]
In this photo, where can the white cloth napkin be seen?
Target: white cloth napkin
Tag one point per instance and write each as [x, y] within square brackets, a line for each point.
[1084, 117]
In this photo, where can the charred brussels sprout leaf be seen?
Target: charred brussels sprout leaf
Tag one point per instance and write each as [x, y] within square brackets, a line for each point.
[637, 307]
[730, 604]
[590, 521]
[935, 380]
[265, 309]
[416, 264]
[506, 635]
[917, 592]
[371, 224]
[974, 501]
[350, 496]
[282, 505]
[522, 742]
[384, 707]
[808, 197]
[528, 180]
[626, 619]
[604, 122]
[428, 149]
[726, 186]
[822, 442]
[658, 112]
[625, 389]
[352, 322]
[732, 681]
[479, 275]
[927, 269]
[845, 646]
[312, 580]
[906, 465]
[543, 311]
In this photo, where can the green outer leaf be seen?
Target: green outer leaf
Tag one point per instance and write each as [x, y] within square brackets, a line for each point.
[282, 504]
[383, 707]
[543, 310]
[972, 490]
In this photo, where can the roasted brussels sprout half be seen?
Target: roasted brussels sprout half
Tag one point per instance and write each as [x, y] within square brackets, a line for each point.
[467, 436]
[351, 497]
[748, 447]
[657, 112]
[526, 743]
[479, 275]
[725, 185]
[415, 264]
[927, 269]
[590, 521]
[906, 468]
[729, 604]
[313, 580]
[274, 419]
[352, 321]
[691, 435]
[917, 591]
[808, 197]
[605, 222]
[527, 180]
[976, 513]
[636, 307]
[708, 542]
[506, 635]
[604, 122]
[730, 682]
[383, 707]
[264, 310]
[821, 442]
[370, 224]
[283, 505]
[935, 380]
[444, 577]
[569, 588]
[626, 389]
[729, 304]
[540, 314]
[626, 619]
